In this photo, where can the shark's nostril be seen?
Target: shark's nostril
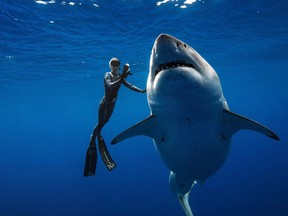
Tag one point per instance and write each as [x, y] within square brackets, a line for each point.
[162, 37]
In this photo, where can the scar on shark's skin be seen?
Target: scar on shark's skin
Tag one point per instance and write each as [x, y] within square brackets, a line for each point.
[190, 120]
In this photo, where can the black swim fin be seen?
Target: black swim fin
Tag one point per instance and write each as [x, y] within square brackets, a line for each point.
[107, 159]
[91, 160]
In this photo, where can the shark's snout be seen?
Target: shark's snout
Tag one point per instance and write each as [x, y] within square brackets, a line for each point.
[169, 38]
[169, 52]
[162, 37]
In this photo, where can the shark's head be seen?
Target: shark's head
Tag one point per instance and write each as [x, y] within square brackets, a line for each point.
[177, 70]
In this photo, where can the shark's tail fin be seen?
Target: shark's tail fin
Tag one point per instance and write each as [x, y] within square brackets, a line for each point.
[235, 122]
[182, 188]
[184, 201]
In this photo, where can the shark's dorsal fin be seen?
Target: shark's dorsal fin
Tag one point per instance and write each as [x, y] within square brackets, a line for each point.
[145, 127]
[235, 122]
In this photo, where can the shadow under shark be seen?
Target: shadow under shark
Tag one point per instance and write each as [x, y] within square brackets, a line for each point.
[190, 121]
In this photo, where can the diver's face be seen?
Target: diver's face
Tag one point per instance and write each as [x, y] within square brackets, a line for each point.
[115, 69]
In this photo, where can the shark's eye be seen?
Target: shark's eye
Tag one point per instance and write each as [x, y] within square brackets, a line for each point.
[185, 45]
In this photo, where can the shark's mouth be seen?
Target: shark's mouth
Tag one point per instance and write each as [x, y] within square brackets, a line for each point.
[172, 65]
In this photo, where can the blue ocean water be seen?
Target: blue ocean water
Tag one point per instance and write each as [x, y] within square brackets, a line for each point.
[53, 55]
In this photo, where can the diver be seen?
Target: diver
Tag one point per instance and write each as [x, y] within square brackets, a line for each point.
[112, 84]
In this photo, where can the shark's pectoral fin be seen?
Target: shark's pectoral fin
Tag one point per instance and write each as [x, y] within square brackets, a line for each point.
[234, 122]
[145, 127]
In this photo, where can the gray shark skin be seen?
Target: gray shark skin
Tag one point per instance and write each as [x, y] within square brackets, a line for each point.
[190, 121]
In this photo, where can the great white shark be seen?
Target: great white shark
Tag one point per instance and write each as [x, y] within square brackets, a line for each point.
[190, 121]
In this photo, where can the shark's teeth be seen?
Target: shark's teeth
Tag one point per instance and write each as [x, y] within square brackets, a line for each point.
[172, 65]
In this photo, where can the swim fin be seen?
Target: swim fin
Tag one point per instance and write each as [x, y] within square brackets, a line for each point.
[107, 159]
[91, 160]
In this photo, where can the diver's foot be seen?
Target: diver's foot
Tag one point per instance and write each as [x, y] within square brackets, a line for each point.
[91, 160]
[106, 157]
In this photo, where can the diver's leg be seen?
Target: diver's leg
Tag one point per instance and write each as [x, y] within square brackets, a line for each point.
[103, 117]
[107, 159]
[91, 154]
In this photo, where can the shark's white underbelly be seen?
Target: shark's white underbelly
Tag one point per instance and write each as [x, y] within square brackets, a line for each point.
[192, 145]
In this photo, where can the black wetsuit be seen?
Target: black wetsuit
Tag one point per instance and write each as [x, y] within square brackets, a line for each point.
[112, 85]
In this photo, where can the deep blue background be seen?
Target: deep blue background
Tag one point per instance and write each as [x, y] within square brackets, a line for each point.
[52, 60]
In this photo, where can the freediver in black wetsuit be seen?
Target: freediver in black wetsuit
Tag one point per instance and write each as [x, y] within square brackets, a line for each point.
[112, 84]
